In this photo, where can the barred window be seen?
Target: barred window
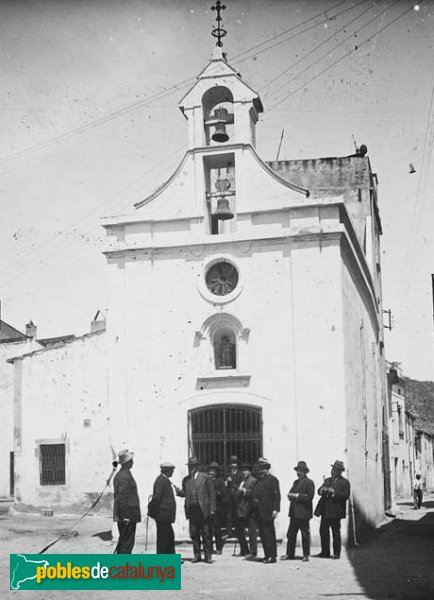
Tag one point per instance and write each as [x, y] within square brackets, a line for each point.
[52, 464]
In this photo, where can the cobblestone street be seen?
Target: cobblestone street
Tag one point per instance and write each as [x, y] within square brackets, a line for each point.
[396, 563]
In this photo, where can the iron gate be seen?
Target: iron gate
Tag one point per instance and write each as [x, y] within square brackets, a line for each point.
[217, 432]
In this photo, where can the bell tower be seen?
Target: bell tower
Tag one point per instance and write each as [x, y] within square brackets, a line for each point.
[222, 111]
[220, 108]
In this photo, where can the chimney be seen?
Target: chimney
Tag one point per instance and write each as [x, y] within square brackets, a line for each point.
[98, 322]
[31, 329]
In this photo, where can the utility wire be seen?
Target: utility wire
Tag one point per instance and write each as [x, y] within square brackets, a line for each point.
[147, 100]
[367, 40]
[271, 81]
[291, 29]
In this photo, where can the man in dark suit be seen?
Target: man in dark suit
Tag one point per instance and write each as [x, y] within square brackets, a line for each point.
[126, 509]
[244, 514]
[162, 508]
[233, 480]
[266, 502]
[200, 507]
[334, 493]
[300, 512]
[220, 499]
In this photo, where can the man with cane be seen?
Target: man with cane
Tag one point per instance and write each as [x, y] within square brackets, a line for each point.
[162, 508]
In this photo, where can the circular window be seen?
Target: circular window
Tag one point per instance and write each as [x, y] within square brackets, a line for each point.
[222, 278]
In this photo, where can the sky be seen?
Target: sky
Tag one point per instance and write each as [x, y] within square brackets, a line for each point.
[90, 125]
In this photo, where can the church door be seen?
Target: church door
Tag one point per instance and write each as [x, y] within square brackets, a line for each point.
[220, 431]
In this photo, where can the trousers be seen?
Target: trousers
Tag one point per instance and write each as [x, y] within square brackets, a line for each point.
[200, 528]
[294, 526]
[249, 523]
[127, 537]
[165, 538]
[267, 533]
[324, 532]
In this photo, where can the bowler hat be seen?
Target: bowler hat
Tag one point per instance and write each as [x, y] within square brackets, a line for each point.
[246, 466]
[263, 463]
[214, 465]
[338, 465]
[167, 465]
[124, 456]
[233, 459]
[193, 461]
[301, 466]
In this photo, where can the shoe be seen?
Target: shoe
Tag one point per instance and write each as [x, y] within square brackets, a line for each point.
[239, 554]
[208, 560]
[305, 559]
[321, 555]
[196, 559]
[218, 552]
[250, 556]
[269, 561]
[286, 557]
[336, 556]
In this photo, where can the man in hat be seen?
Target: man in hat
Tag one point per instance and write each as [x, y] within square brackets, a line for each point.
[334, 493]
[200, 507]
[126, 509]
[266, 502]
[233, 480]
[162, 508]
[300, 512]
[244, 514]
[220, 497]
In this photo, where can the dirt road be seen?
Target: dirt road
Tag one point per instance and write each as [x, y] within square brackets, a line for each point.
[396, 563]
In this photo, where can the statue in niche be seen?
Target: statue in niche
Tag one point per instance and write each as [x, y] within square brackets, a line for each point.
[226, 354]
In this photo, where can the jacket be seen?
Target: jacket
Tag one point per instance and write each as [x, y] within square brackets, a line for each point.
[266, 497]
[334, 506]
[126, 497]
[204, 491]
[163, 503]
[244, 499]
[221, 493]
[301, 507]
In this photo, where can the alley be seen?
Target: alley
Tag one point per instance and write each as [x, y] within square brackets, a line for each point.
[395, 563]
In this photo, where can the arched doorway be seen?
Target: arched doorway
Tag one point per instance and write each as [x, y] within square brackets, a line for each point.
[216, 432]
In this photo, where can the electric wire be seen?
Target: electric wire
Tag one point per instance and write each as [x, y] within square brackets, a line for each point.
[282, 73]
[148, 99]
[339, 60]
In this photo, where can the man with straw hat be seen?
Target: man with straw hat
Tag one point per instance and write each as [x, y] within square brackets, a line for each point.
[126, 509]
[300, 512]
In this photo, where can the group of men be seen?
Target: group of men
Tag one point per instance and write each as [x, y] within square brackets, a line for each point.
[247, 500]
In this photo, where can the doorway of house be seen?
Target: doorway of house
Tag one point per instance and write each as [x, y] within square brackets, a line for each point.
[216, 432]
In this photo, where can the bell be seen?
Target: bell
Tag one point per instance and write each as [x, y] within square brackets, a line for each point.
[223, 210]
[220, 134]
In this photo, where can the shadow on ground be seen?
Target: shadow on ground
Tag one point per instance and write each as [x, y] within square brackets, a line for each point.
[396, 562]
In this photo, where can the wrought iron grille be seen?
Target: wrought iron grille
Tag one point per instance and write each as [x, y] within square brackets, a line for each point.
[217, 432]
[52, 464]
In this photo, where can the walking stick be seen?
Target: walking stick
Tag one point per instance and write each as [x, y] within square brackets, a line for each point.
[147, 525]
[235, 547]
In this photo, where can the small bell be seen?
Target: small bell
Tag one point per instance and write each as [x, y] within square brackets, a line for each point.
[223, 210]
[220, 135]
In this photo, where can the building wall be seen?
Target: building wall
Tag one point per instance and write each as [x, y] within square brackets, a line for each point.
[425, 459]
[61, 396]
[364, 370]
[293, 357]
[7, 350]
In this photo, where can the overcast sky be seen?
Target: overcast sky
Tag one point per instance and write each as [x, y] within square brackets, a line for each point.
[90, 124]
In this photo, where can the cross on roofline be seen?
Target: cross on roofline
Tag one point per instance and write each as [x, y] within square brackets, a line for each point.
[218, 32]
